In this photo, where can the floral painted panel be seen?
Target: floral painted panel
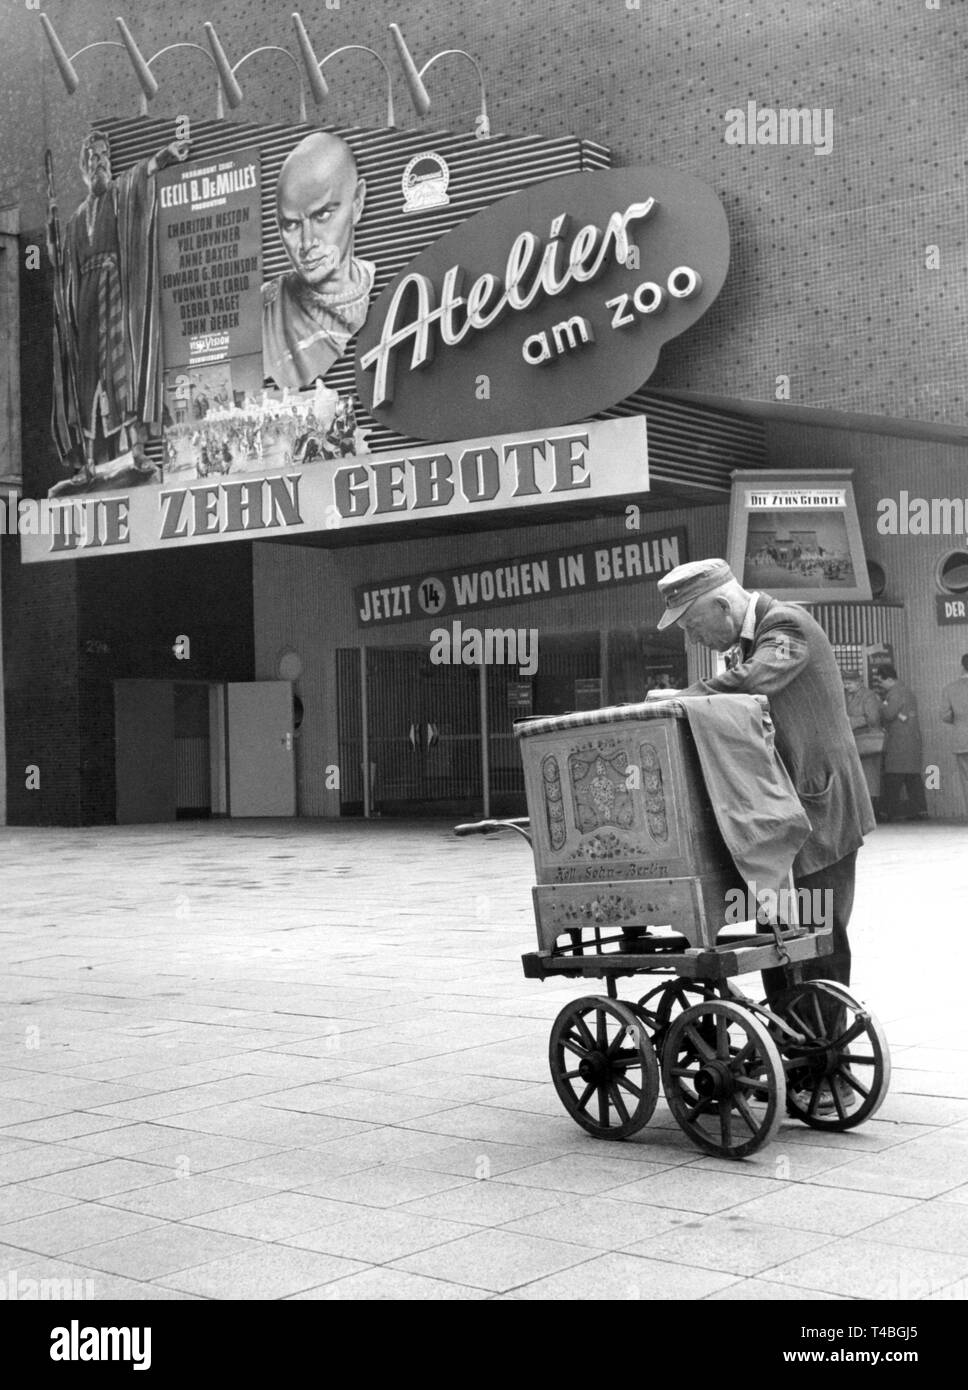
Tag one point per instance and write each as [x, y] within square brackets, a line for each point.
[554, 803]
[653, 791]
[599, 784]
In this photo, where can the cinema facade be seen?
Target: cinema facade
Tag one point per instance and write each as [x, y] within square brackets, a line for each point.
[337, 600]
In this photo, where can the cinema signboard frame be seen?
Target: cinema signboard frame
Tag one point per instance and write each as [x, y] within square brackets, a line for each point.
[599, 265]
[594, 462]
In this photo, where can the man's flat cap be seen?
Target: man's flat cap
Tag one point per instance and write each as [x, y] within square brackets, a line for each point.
[682, 586]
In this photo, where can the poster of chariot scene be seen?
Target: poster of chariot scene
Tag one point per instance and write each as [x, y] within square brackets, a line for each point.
[798, 539]
[216, 430]
[784, 551]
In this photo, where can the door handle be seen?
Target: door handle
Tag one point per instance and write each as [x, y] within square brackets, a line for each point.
[413, 737]
[286, 742]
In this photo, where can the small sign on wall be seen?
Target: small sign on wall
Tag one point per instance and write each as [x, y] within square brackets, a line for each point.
[796, 535]
[520, 695]
[951, 611]
[588, 692]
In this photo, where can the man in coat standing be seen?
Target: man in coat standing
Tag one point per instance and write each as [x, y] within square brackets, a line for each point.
[778, 650]
[903, 761]
[954, 711]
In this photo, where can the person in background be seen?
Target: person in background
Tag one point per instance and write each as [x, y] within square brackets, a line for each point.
[864, 714]
[954, 711]
[903, 764]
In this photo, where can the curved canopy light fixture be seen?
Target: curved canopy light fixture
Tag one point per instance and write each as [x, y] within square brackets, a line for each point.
[141, 65]
[142, 68]
[314, 66]
[415, 83]
[228, 91]
[65, 64]
[229, 82]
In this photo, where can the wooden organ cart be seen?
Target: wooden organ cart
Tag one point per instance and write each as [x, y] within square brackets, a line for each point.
[634, 878]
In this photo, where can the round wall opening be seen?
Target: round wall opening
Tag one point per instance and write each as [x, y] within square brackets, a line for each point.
[952, 572]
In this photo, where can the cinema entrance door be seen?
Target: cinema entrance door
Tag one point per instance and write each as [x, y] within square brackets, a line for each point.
[438, 739]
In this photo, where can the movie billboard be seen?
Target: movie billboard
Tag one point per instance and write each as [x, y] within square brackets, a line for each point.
[177, 356]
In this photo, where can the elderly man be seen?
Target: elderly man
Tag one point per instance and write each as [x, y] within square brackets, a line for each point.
[310, 313]
[776, 649]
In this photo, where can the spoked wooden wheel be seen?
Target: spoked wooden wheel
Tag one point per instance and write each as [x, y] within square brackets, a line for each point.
[662, 1005]
[723, 1078]
[604, 1066]
[839, 1075]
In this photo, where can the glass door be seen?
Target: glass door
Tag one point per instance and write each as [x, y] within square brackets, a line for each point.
[424, 734]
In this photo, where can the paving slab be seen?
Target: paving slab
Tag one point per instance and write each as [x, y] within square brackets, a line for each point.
[103, 1179]
[831, 1210]
[861, 1268]
[627, 1278]
[161, 1250]
[69, 1228]
[379, 1237]
[275, 1271]
[384, 1186]
[488, 1203]
[694, 1189]
[391, 1285]
[330, 1081]
[732, 1243]
[600, 1222]
[495, 1260]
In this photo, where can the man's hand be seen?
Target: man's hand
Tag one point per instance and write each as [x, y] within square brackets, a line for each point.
[175, 153]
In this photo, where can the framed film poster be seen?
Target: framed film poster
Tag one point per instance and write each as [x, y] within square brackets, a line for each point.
[795, 535]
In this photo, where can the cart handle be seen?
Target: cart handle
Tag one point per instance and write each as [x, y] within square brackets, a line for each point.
[492, 827]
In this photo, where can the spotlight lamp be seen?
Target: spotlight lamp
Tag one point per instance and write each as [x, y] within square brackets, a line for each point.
[314, 66]
[309, 68]
[415, 83]
[65, 64]
[229, 83]
[141, 65]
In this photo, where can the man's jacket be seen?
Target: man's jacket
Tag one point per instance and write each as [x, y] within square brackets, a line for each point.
[954, 710]
[902, 746]
[792, 663]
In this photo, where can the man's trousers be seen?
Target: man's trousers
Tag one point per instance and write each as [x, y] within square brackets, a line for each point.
[831, 901]
[891, 784]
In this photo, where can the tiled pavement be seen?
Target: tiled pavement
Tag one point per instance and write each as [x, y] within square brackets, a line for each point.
[263, 1060]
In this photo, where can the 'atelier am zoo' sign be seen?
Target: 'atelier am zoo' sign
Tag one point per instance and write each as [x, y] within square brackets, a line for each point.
[544, 309]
